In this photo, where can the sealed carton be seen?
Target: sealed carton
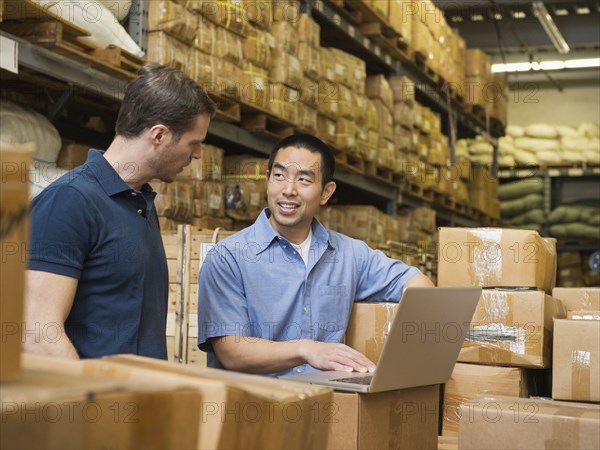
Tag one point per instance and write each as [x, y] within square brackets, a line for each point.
[576, 360]
[46, 410]
[377, 87]
[496, 257]
[470, 380]
[366, 223]
[493, 422]
[579, 298]
[237, 410]
[512, 328]
[369, 326]
[403, 419]
[14, 213]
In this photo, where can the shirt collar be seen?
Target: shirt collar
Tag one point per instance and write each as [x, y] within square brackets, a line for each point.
[107, 176]
[266, 234]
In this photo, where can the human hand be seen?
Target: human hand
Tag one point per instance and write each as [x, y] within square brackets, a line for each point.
[335, 356]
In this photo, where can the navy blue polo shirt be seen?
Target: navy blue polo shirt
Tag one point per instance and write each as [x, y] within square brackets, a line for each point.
[92, 226]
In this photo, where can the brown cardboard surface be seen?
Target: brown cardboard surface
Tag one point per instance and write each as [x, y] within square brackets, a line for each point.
[496, 257]
[14, 211]
[280, 412]
[403, 419]
[369, 326]
[512, 328]
[470, 380]
[51, 411]
[579, 298]
[576, 360]
[495, 422]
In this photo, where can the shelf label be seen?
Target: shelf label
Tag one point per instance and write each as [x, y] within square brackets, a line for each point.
[337, 19]
[319, 5]
[377, 50]
[9, 54]
[366, 42]
[575, 172]
[554, 172]
[351, 31]
[388, 60]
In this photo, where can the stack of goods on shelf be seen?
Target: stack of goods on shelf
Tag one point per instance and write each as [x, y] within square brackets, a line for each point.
[186, 248]
[578, 222]
[522, 204]
[245, 188]
[570, 270]
[478, 79]
[20, 125]
[379, 91]
[309, 55]
[478, 150]
[512, 326]
[550, 145]
[197, 194]
[399, 20]
[484, 191]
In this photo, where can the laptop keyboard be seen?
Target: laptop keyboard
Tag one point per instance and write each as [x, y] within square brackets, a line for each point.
[366, 380]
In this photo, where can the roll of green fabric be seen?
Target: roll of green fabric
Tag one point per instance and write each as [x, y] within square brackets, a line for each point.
[517, 189]
[512, 208]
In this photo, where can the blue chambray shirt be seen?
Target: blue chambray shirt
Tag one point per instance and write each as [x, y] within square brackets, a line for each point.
[255, 284]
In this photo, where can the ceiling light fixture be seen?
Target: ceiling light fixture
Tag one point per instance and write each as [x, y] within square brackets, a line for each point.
[561, 12]
[497, 16]
[547, 65]
[542, 14]
[456, 19]
[477, 18]
[582, 10]
[519, 15]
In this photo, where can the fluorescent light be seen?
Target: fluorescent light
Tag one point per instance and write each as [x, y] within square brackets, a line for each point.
[519, 15]
[477, 18]
[497, 16]
[545, 19]
[582, 10]
[511, 67]
[582, 63]
[546, 65]
[456, 19]
[561, 12]
[552, 65]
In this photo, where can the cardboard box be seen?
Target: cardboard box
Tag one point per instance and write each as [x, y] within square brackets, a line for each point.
[496, 257]
[14, 210]
[369, 326]
[512, 328]
[470, 380]
[377, 87]
[50, 411]
[404, 419]
[237, 410]
[576, 360]
[579, 299]
[583, 315]
[493, 422]
[366, 223]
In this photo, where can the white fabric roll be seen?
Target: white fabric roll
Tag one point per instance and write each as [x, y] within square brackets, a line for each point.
[515, 131]
[541, 130]
[119, 8]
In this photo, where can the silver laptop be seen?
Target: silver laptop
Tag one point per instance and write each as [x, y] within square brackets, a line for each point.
[423, 344]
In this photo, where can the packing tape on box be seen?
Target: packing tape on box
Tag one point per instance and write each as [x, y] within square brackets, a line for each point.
[580, 374]
[384, 315]
[565, 427]
[583, 315]
[483, 270]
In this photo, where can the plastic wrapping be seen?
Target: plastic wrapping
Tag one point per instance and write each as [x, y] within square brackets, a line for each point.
[206, 36]
[385, 119]
[348, 70]
[286, 37]
[366, 223]
[309, 31]
[512, 328]
[200, 67]
[255, 86]
[307, 118]
[259, 13]
[166, 50]
[377, 87]
[257, 49]
[332, 217]
[286, 69]
[175, 200]
[230, 14]
[245, 198]
[282, 102]
[496, 257]
[209, 199]
[326, 129]
[228, 46]
[328, 102]
[345, 137]
[166, 15]
[369, 327]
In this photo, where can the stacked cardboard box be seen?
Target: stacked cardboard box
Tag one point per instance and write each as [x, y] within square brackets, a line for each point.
[192, 407]
[514, 321]
[483, 191]
[479, 88]
[570, 272]
[399, 18]
[576, 358]
[379, 91]
[245, 186]
[406, 417]
[185, 249]
[14, 209]
[309, 55]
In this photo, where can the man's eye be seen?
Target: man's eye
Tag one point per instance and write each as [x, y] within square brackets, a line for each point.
[305, 180]
[278, 176]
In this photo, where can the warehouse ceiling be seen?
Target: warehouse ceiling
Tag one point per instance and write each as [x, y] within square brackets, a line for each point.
[511, 33]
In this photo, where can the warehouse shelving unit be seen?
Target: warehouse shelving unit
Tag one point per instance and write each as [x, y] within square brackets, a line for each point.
[75, 74]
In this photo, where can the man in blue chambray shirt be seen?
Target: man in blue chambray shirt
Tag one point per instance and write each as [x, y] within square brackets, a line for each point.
[276, 297]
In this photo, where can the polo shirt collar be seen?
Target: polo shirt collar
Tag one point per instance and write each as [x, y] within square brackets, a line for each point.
[107, 176]
[266, 234]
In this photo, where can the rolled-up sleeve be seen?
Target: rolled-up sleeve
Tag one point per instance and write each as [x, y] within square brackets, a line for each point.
[380, 279]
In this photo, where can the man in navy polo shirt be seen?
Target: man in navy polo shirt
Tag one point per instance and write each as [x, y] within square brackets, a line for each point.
[97, 282]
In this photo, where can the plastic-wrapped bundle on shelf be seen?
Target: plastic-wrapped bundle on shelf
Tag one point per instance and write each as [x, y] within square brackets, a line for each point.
[173, 18]
[309, 31]
[200, 67]
[168, 51]
[283, 101]
[399, 19]
[257, 48]
[255, 88]
[209, 199]
[332, 217]
[310, 60]
[229, 14]
[175, 200]
[286, 69]
[245, 198]
[206, 36]
[260, 13]
[377, 87]
[366, 223]
[285, 37]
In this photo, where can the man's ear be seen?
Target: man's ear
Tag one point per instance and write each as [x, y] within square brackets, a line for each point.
[328, 191]
[158, 134]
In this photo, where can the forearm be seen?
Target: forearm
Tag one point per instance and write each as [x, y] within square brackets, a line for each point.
[259, 356]
[38, 342]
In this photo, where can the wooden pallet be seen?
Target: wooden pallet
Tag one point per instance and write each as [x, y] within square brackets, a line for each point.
[350, 162]
[265, 124]
[387, 38]
[382, 173]
[420, 61]
[64, 39]
[228, 109]
[476, 111]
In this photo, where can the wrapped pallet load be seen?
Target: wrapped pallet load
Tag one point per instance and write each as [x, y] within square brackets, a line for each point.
[20, 125]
